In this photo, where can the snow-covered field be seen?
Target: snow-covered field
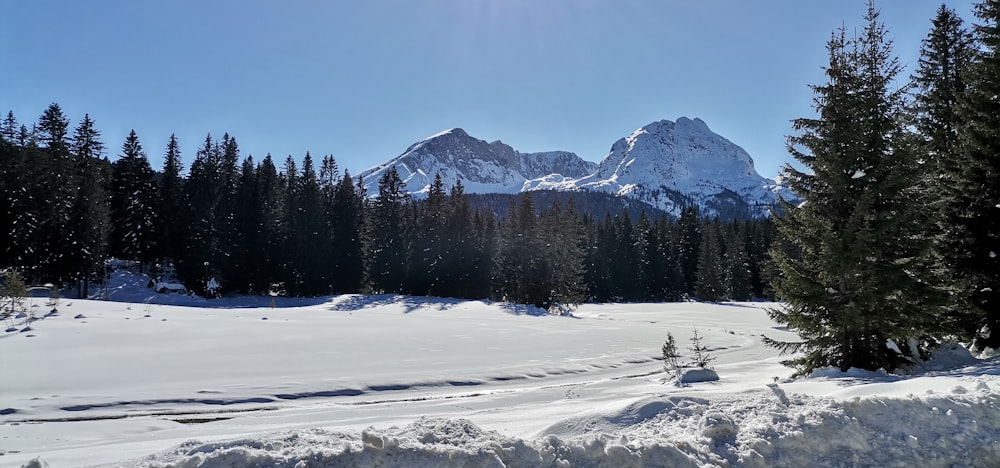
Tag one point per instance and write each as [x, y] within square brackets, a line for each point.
[161, 380]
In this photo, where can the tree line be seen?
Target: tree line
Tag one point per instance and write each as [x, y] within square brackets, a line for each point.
[299, 230]
[893, 247]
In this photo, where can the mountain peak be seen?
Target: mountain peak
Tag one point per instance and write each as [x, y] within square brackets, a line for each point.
[667, 164]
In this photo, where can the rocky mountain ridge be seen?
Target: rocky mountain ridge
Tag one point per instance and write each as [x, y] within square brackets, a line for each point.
[666, 164]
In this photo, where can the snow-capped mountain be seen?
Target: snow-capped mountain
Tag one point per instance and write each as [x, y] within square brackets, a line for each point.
[675, 164]
[666, 164]
[482, 167]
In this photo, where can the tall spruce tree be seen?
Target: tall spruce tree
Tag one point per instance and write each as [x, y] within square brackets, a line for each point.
[387, 247]
[974, 211]
[55, 193]
[347, 213]
[710, 283]
[202, 191]
[133, 203]
[90, 222]
[855, 281]
[940, 83]
[170, 212]
[427, 264]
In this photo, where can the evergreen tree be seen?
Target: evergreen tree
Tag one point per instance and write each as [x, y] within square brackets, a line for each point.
[11, 155]
[974, 211]
[485, 235]
[9, 129]
[246, 222]
[387, 250]
[687, 244]
[202, 253]
[736, 260]
[311, 234]
[426, 271]
[55, 192]
[563, 250]
[267, 240]
[459, 260]
[170, 212]
[855, 281]
[940, 82]
[90, 222]
[710, 278]
[671, 359]
[133, 203]
[701, 355]
[348, 224]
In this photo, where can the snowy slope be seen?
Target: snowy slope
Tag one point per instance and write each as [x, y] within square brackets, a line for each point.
[664, 159]
[401, 381]
[482, 167]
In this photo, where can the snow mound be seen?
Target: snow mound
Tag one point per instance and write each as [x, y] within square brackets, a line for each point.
[751, 429]
[699, 374]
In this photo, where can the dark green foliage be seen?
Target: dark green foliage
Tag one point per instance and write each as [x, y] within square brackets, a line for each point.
[710, 283]
[13, 294]
[90, 222]
[856, 277]
[170, 211]
[671, 358]
[973, 212]
[387, 248]
[347, 213]
[133, 204]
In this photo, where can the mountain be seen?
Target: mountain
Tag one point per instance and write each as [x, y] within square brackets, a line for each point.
[482, 167]
[668, 165]
[671, 165]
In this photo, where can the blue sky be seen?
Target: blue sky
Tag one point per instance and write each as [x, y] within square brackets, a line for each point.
[362, 80]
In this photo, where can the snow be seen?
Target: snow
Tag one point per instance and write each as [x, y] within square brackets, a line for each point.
[175, 380]
[649, 165]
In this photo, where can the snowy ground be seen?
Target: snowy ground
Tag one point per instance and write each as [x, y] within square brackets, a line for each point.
[158, 380]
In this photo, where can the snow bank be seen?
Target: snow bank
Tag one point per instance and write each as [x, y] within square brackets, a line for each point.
[752, 429]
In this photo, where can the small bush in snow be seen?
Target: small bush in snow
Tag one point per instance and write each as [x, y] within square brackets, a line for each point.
[701, 356]
[671, 358]
[13, 295]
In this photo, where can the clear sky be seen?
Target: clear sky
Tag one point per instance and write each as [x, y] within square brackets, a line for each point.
[364, 79]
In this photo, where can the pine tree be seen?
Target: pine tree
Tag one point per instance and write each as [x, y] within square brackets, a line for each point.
[974, 211]
[170, 212]
[9, 129]
[133, 204]
[563, 251]
[347, 213]
[426, 272]
[311, 234]
[387, 248]
[459, 262]
[855, 279]
[671, 358]
[701, 355]
[90, 223]
[710, 282]
[688, 242]
[246, 222]
[736, 260]
[940, 83]
[268, 238]
[517, 259]
[55, 192]
[202, 190]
